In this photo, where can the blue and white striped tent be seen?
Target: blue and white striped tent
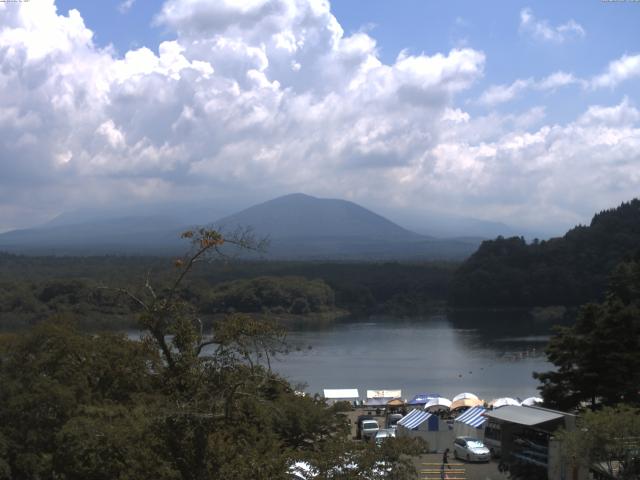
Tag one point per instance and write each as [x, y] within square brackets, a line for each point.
[474, 417]
[470, 423]
[415, 418]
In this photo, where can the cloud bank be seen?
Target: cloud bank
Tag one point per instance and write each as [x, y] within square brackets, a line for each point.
[266, 97]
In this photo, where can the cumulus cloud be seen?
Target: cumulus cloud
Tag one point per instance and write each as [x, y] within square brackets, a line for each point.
[272, 96]
[541, 30]
[497, 94]
[624, 68]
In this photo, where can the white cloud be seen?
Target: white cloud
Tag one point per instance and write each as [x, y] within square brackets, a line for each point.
[497, 94]
[541, 30]
[273, 97]
[504, 93]
[125, 6]
[624, 68]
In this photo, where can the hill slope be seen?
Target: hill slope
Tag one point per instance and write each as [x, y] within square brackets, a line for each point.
[303, 216]
[299, 226]
[569, 270]
[303, 227]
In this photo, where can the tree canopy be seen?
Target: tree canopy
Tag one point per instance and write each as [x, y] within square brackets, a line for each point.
[598, 358]
[183, 403]
[570, 270]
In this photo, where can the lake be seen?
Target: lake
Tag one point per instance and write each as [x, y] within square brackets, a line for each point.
[492, 355]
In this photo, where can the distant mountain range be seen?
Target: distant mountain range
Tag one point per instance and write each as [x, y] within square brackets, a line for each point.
[299, 227]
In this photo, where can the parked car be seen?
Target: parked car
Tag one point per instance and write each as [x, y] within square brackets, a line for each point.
[383, 434]
[470, 449]
[392, 420]
[361, 419]
[369, 429]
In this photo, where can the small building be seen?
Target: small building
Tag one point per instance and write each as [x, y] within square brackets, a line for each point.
[527, 441]
[432, 429]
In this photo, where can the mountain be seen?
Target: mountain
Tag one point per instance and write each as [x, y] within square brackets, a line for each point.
[569, 270]
[299, 227]
[303, 216]
[124, 235]
[304, 227]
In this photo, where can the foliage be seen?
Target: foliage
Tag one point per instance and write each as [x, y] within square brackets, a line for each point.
[183, 403]
[570, 270]
[34, 288]
[293, 294]
[598, 358]
[609, 439]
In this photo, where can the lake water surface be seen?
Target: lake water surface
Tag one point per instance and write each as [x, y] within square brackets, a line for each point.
[492, 356]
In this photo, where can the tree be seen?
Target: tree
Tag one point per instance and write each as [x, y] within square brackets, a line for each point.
[607, 440]
[180, 404]
[598, 358]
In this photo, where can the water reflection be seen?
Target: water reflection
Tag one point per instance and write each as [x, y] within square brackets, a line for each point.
[492, 357]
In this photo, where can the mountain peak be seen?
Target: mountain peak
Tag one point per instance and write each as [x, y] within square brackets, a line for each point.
[298, 215]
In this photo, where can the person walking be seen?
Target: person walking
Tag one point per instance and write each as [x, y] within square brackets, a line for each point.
[445, 461]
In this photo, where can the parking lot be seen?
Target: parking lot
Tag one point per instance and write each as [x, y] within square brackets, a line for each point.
[429, 465]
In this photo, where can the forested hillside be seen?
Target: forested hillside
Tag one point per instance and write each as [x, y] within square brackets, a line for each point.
[569, 270]
[35, 288]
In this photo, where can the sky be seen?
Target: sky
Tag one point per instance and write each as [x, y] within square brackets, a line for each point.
[526, 113]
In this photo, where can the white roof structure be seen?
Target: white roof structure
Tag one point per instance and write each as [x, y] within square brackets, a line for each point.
[529, 402]
[435, 403]
[501, 402]
[384, 393]
[464, 395]
[341, 393]
[528, 416]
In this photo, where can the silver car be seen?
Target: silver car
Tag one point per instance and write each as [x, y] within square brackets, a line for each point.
[470, 449]
[383, 434]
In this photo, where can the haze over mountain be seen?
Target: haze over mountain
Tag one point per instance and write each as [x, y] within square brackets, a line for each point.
[299, 227]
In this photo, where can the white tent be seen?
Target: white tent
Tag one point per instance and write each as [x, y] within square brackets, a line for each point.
[384, 393]
[461, 396]
[338, 394]
[471, 423]
[531, 401]
[501, 402]
[435, 404]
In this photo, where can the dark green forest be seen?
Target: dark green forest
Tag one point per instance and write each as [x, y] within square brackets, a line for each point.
[570, 270]
[34, 288]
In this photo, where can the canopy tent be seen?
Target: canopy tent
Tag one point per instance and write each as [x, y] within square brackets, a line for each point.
[395, 403]
[337, 394]
[473, 417]
[471, 423]
[435, 404]
[380, 398]
[415, 418]
[501, 402]
[466, 402]
[421, 424]
[384, 393]
[529, 402]
[464, 395]
[422, 398]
